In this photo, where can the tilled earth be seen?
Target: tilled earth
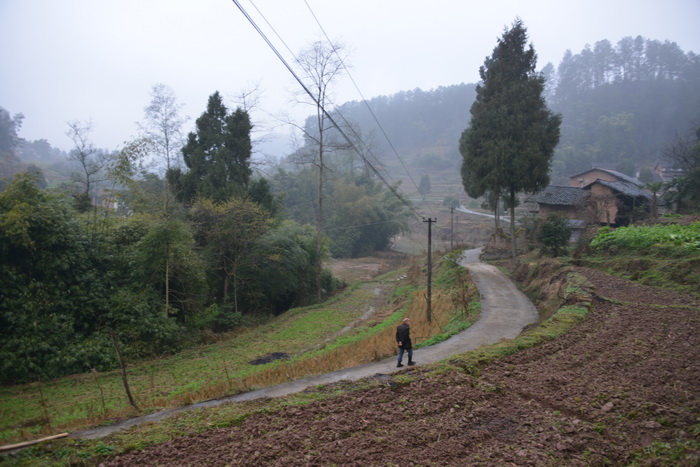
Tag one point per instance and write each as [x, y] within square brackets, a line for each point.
[624, 383]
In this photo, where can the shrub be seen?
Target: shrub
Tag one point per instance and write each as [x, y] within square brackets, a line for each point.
[554, 233]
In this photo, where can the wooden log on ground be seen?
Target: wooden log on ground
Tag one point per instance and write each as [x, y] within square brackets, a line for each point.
[24, 444]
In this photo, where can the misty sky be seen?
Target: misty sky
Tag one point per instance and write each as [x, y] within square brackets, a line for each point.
[96, 60]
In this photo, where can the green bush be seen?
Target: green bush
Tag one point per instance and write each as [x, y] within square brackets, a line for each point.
[555, 233]
[659, 239]
[218, 319]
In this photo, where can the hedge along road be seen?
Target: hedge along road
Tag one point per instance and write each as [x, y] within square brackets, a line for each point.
[505, 312]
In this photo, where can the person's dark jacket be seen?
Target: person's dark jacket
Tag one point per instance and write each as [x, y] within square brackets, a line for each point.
[403, 335]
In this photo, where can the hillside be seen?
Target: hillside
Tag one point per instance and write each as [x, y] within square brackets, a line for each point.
[609, 377]
[617, 108]
[621, 387]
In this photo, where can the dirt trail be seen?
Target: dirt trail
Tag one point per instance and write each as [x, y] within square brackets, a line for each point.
[505, 312]
[623, 381]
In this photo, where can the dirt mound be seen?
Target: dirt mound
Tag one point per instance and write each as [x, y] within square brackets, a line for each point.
[623, 383]
[271, 357]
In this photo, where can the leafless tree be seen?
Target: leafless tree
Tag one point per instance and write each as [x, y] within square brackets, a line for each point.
[321, 64]
[163, 125]
[90, 160]
[249, 100]
[682, 151]
[163, 130]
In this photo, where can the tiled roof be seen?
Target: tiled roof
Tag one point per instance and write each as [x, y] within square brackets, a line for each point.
[626, 188]
[558, 195]
[614, 173]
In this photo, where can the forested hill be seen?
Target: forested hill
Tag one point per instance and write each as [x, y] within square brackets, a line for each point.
[621, 104]
[420, 124]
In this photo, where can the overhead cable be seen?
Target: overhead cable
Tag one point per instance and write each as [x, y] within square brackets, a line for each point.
[376, 120]
[337, 109]
[403, 199]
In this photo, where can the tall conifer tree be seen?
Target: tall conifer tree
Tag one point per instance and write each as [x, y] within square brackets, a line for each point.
[217, 155]
[510, 142]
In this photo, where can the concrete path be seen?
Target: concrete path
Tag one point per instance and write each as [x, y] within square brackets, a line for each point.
[505, 311]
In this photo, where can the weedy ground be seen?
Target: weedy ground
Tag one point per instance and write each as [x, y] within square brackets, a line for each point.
[609, 377]
[354, 327]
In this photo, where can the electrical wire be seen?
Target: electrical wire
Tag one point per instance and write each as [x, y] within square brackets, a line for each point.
[337, 109]
[376, 120]
[391, 188]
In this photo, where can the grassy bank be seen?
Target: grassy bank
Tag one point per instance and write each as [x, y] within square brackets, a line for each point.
[316, 339]
[91, 452]
[661, 255]
[563, 298]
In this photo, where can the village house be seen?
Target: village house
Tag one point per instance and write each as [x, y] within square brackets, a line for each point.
[666, 171]
[598, 195]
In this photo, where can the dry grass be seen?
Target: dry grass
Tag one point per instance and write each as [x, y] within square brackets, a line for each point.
[221, 369]
[372, 348]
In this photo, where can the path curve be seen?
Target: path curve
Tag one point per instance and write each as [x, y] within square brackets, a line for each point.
[505, 312]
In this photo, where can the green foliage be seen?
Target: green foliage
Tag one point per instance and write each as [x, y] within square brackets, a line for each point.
[510, 142]
[451, 201]
[448, 269]
[217, 155]
[617, 102]
[673, 239]
[298, 191]
[554, 233]
[260, 191]
[218, 319]
[363, 218]
[165, 258]
[64, 282]
[227, 233]
[403, 291]
[676, 452]
[512, 135]
[9, 127]
[45, 260]
[530, 224]
[286, 266]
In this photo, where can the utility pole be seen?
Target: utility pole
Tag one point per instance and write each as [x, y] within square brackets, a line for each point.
[430, 266]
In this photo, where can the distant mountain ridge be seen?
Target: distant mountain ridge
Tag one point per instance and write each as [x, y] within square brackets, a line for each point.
[620, 104]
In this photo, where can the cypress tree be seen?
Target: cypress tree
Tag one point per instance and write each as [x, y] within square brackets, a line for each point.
[509, 145]
[217, 155]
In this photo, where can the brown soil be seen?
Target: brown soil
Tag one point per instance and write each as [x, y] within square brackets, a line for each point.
[363, 269]
[625, 380]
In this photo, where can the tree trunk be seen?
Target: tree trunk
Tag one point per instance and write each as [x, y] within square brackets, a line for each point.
[224, 299]
[235, 289]
[496, 216]
[319, 238]
[319, 227]
[167, 278]
[122, 365]
[513, 241]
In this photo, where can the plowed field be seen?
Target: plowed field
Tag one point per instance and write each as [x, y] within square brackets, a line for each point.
[623, 386]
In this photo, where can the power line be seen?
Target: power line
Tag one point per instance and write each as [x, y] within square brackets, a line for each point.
[337, 109]
[325, 112]
[376, 120]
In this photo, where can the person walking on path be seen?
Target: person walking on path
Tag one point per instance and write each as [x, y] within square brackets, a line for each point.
[403, 339]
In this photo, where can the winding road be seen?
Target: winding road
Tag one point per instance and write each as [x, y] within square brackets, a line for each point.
[505, 312]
